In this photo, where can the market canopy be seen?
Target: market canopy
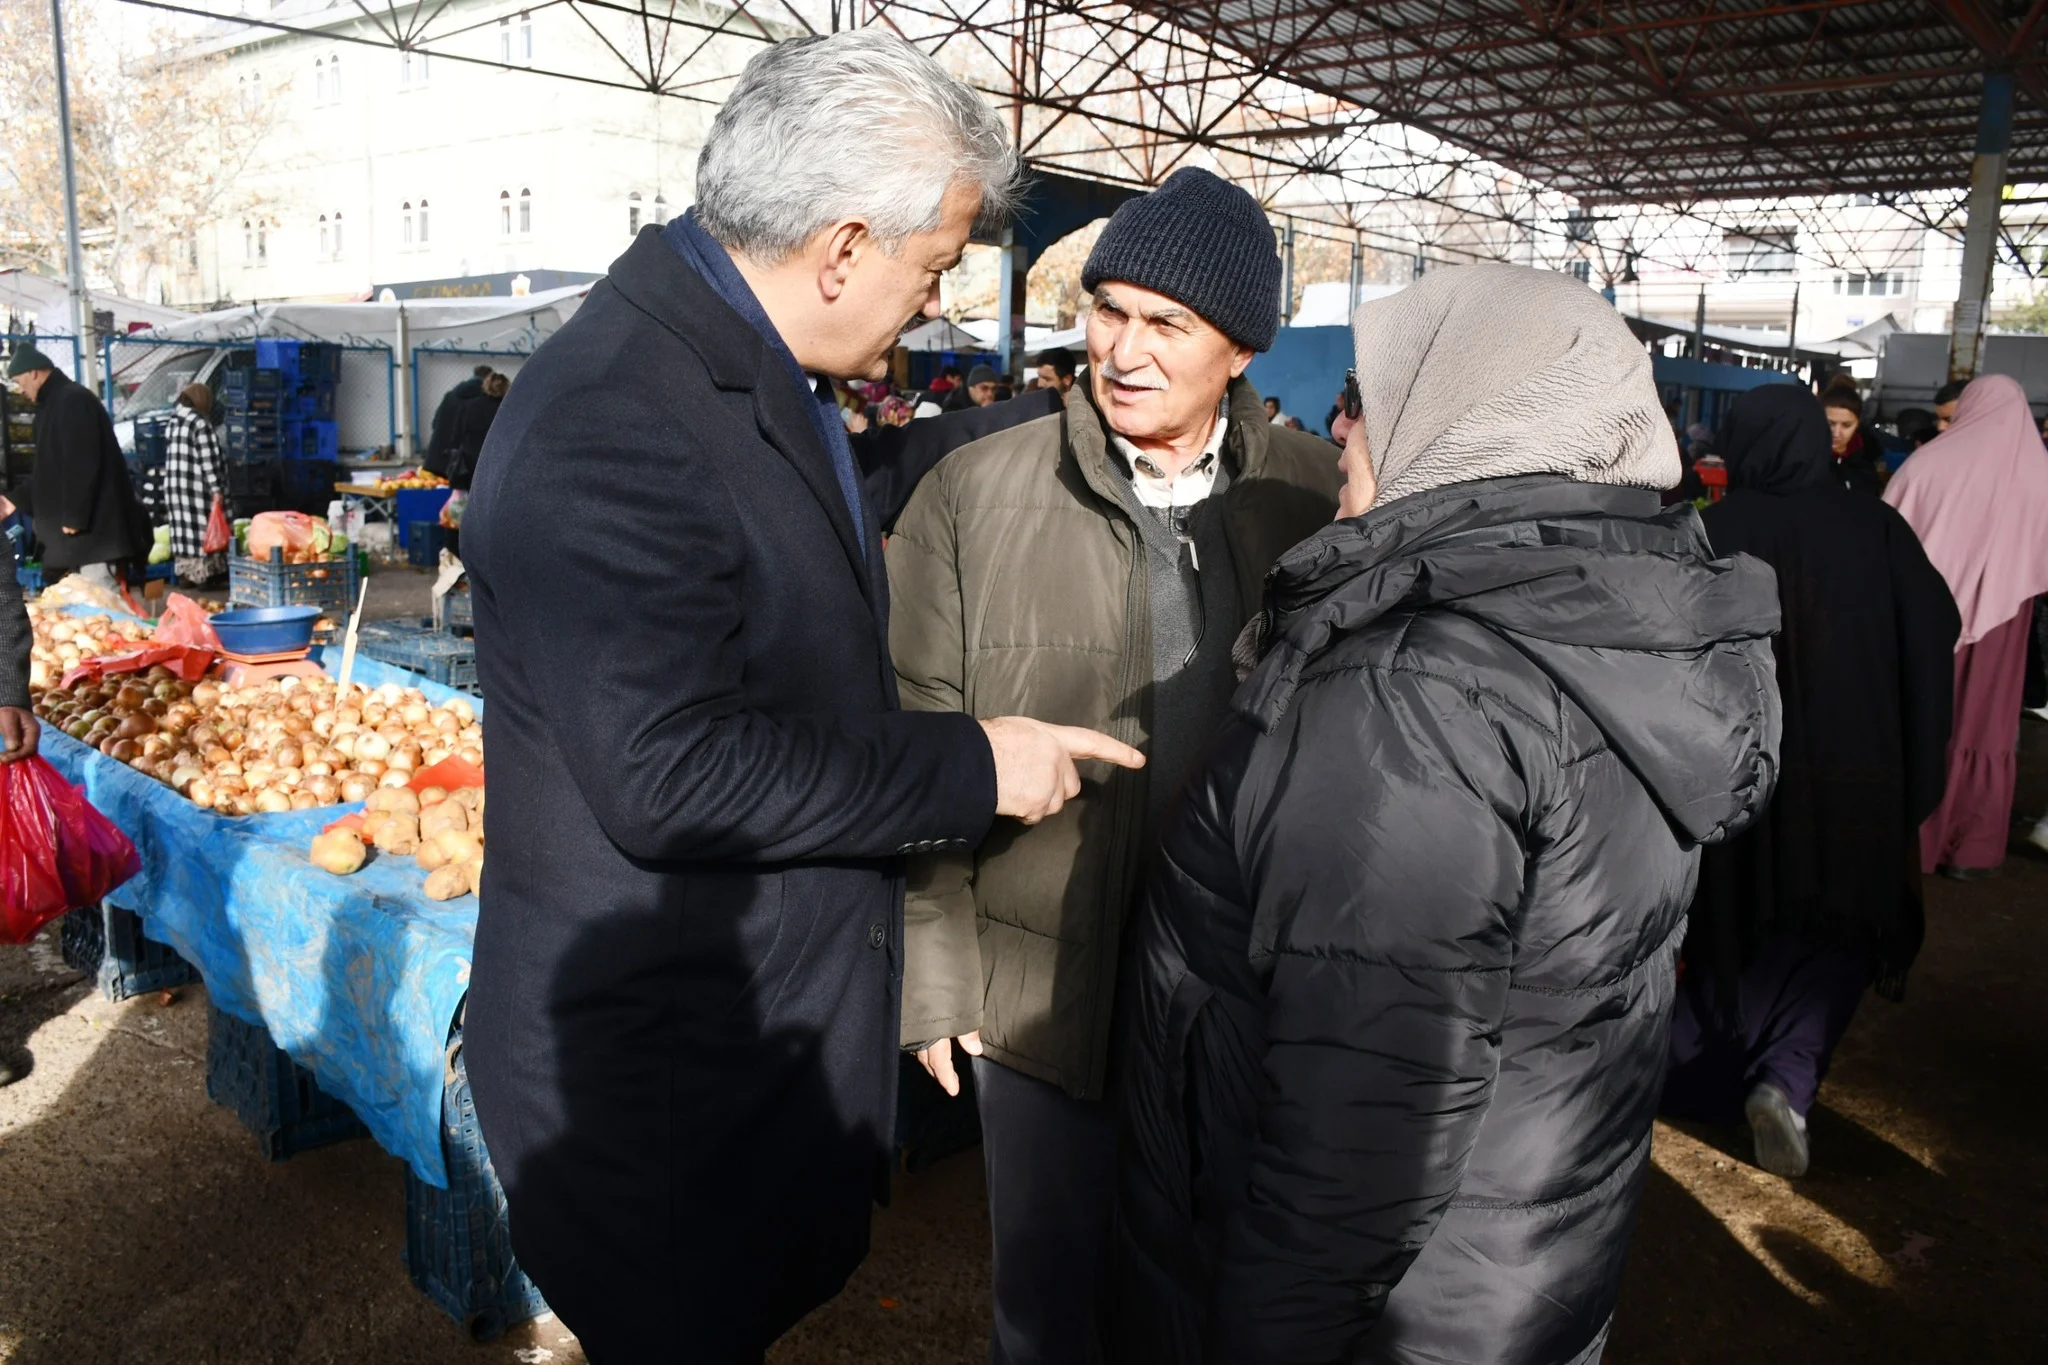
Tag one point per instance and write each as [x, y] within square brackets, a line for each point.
[1668, 101]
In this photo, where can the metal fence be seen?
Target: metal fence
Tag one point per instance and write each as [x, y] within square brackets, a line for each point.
[62, 349]
[144, 374]
[437, 369]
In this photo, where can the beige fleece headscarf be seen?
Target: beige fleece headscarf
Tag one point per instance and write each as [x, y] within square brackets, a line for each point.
[1486, 371]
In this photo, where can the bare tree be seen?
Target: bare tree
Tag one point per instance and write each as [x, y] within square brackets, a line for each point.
[161, 139]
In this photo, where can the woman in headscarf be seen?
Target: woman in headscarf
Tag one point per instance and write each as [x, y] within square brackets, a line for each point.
[1396, 1022]
[1977, 496]
[194, 475]
[1794, 918]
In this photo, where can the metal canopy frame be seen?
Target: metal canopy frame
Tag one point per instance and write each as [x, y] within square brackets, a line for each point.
[1621, 134]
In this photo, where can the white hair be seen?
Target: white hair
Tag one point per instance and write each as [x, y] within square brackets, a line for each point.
[857, 125]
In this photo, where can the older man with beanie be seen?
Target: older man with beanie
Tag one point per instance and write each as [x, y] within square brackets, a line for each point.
[1402, 978]
[86, 513]
[1090, 568]
[682, 1027]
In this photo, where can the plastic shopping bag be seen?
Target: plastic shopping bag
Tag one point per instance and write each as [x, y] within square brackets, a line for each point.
[185, 622]
[218, 536]
[56, 851]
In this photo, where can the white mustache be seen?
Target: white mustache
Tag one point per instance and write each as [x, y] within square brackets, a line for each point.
[1147, 378]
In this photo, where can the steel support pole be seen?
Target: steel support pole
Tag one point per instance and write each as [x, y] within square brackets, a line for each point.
[1357, 278]
[1980, 236]
[1792, 329]
[1287, 287]
[74, 263]
[1013, 277]
[1699, 326]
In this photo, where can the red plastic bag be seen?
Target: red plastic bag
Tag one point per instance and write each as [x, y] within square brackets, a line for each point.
[185, 622]
[186, 661]
[56, 852]
[448, 774]
[218, 536]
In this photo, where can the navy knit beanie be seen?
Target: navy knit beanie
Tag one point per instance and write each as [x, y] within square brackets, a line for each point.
[1202, 241]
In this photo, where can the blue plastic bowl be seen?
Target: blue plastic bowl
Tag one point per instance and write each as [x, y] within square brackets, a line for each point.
[266, 630]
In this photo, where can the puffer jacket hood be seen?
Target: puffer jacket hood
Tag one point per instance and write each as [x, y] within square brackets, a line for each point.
[1599, 588]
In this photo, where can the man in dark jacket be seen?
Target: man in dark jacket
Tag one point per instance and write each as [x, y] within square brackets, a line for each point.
[441, 441]
[85, 509]
[1797, 916]
[1405, 970]
[1090, 568]
[894, 460]
[682, 1030]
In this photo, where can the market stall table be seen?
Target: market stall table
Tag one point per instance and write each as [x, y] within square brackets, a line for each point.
[358, 979]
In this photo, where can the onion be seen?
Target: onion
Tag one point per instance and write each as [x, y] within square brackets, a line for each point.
[394, 777]
[270, 801]
[356, 787]
[372, 745]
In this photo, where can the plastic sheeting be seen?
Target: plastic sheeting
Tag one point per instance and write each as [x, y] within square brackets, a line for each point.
[358, 978]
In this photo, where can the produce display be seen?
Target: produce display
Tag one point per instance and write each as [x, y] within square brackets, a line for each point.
[63, 641]
[280, 744]
[440, 829]
[384, 488]
[301, 539]
[277, 745]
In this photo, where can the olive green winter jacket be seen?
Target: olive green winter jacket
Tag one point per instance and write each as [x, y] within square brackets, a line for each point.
[1019, 587]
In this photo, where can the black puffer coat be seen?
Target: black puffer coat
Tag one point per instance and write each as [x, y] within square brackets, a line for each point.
[1402, 981]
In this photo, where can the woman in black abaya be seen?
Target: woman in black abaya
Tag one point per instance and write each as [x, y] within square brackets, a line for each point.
[1820, 899]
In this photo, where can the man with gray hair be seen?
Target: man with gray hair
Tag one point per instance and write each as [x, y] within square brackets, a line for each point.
[682, 1023]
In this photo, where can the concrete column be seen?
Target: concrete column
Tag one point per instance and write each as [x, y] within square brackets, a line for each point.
[1980, 234]
[1014, 273]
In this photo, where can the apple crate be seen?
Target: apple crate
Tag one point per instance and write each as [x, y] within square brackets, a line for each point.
[329, 584]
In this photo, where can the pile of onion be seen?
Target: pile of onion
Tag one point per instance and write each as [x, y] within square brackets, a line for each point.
[63, 640]
[278, 745]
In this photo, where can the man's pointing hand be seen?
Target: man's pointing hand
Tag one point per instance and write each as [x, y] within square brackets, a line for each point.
[1035, 772]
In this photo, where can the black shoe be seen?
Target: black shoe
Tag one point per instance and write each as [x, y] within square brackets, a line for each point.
[1973, 874]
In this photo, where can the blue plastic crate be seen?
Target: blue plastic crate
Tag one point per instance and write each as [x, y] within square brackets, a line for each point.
[243, 380]
[277, 353]
[311, 404]
[416, 647]
[30, 576]
[457, 1248]
[329, 584]
[424, 541]
[274, 1097]
[108, 944]
[320, 441]
[458, 608]
[152, 440]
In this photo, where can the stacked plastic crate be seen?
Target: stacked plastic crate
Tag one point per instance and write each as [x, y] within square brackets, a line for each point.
[249, 438]
[309, 447]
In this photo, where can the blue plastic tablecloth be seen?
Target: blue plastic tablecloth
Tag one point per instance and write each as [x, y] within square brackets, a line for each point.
[358, 978]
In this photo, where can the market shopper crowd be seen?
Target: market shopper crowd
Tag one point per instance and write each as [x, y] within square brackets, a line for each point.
[1296, 853]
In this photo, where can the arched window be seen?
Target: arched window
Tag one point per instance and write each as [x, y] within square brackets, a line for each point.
[525, 212]
[660, 210]
[248, 242]
[423, 222]
[633, 214]
[319, 80]
[337, 233]
[505, 40]
[504, 213]
[326, 247]
[412, 69]
[262, 243]
[525, 38]
[405, 219]
[334, 78]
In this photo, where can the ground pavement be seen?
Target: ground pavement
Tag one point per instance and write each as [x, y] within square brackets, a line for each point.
[139, 1223]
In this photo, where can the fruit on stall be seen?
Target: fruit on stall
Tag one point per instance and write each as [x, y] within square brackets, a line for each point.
[62, 641]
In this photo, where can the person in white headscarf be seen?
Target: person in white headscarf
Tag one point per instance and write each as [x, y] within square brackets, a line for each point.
[1396, 1025]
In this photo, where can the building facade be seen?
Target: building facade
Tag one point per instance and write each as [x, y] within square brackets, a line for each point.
[462, 161]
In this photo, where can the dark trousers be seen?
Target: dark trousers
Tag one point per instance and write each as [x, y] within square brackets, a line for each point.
[1795, 1003]
[1051, 1181]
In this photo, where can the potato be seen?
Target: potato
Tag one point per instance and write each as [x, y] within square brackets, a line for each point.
[339, 852]
[429, 856]
[457, 847]
[394, 799]
[432, 796]
[400, 833]
[446, 883]
[355, 787]
[447, 815]
[475, 871]
[468, 796]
